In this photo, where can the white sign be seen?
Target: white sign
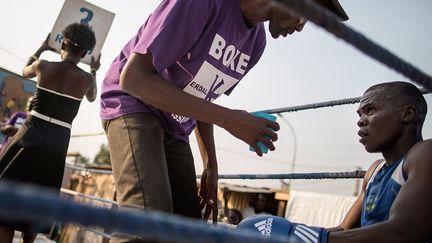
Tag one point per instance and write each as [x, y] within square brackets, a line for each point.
[79, 11]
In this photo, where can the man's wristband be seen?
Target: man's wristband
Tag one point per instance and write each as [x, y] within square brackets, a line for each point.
[34, 57]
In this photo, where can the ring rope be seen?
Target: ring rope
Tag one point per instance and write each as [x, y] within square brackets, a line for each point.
[36, 204]
[347, 101]
[85, 169]
[309, 176]
[332, 103]
[319, 175]
[314, 105]
[87, 135]
[82, 195]
[327, 20]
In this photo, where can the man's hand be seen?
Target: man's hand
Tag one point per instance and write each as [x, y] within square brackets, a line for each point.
[9, 130]
[252, 129]
[208, 194]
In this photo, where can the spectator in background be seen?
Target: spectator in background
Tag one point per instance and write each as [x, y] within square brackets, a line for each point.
[10, 128]
[257, 205]
[8, 108]
[234, 217]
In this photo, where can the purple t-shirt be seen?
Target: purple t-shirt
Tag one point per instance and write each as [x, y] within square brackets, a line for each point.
[203, 47]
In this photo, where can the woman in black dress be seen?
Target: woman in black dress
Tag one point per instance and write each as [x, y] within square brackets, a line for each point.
[37, 153]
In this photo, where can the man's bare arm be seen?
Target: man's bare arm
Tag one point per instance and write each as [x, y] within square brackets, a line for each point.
[410, 218]
[209, 179]
[140, 79]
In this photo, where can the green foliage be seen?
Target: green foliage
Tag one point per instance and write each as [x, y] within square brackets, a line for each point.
[103, 156]
[82, 159]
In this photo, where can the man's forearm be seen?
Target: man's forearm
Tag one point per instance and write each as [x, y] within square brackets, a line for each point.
[205, 139]
[379, 233]
[140, 79]
[155, 91]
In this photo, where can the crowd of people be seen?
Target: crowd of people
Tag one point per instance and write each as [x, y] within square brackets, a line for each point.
[156, 93]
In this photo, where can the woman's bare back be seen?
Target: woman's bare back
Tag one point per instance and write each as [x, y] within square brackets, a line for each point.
[65, 78]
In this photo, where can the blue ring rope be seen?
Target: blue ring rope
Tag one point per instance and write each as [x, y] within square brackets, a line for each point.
[308, 176]
[318, 175]
[34, 204]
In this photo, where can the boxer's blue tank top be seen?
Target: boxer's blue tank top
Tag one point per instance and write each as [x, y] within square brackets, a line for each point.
[381, 191]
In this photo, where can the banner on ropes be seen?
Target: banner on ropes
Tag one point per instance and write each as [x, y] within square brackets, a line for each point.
[80, 11]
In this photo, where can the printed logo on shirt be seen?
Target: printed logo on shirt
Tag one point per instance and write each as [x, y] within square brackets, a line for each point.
[265, 227]
[370, 204]
[179, 119]
[209, 83]
[229, 55]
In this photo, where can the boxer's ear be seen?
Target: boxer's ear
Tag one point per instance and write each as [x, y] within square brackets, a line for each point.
[408, 113]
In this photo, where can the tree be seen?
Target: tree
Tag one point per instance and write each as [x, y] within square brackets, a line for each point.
[78, 158]
[103, 156]
[82, 159]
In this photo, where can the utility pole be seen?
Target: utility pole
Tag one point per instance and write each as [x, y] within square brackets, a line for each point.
[357, 184]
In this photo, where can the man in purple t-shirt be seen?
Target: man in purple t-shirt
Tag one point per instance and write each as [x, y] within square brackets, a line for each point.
[160, 88]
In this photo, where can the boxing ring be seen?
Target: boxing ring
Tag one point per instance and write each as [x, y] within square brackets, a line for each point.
[34, 204]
